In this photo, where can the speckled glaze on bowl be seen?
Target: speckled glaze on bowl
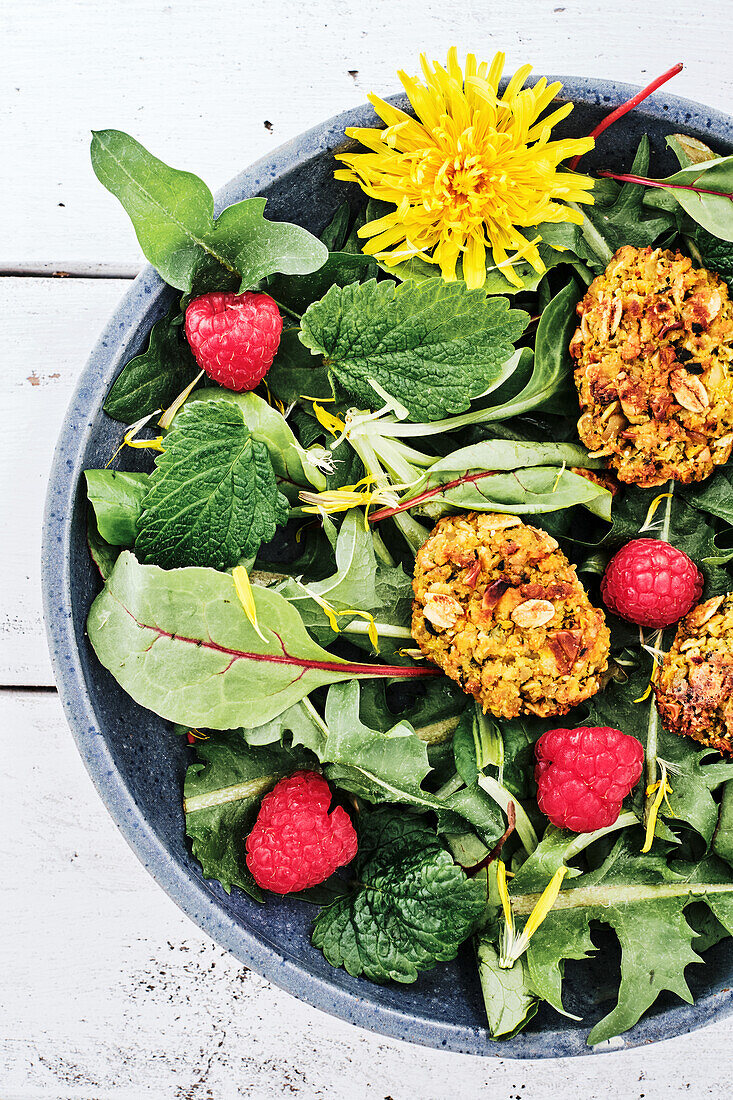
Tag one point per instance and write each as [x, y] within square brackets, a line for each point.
[138, 764]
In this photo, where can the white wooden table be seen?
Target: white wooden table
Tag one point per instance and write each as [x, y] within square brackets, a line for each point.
[106, 989]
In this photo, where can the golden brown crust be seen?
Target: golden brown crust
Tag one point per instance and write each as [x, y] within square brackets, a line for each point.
[653, 367]
[499, 608]
[695, 686]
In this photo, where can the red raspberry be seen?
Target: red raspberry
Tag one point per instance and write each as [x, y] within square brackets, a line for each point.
[234, 337]
[651, 583]
[296, 842]
[583, 775]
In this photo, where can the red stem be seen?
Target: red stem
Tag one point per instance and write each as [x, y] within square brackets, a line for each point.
[496, 850]
[629, 106]
[404, 505]
[625, 177]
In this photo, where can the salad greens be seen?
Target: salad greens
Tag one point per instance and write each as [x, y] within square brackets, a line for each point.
[257, 584]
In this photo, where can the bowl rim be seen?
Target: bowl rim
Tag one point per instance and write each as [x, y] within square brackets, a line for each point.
[192, 896]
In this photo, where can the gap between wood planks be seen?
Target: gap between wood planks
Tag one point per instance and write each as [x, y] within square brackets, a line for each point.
[72, 271]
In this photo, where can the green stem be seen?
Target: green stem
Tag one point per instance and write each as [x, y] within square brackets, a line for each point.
[360, 626]
[381, 550]
[584, 840]
[449, 788]
[500, 795]
[652, 737]
[413, 532]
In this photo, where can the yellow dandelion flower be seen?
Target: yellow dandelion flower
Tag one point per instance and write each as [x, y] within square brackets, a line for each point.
[470, 172]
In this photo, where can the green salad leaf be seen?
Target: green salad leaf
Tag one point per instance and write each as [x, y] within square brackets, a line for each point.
[221, 796]
[716, 255]
[213, 497]
[509, 999]
[117, 499]
[704, 195]
[432, 345]
[297, 292]
[411, 906]
[295, 467]
[180, 643]
[643, 898]
[104, 555]
[624, 220]
[154, 379]
[173, 216]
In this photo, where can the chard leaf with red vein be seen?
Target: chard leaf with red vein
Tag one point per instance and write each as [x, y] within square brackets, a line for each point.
[180, 643]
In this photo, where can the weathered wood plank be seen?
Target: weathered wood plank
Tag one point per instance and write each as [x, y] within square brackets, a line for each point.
[47, 327]
[213, 88]
[110, 992]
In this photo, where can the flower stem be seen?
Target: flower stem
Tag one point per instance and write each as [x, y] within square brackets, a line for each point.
[629, 105]
[405, 505]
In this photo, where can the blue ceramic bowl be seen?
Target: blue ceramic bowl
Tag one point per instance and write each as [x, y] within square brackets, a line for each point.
[138, 764]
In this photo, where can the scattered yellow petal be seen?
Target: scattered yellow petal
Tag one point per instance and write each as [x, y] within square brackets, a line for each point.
[331, 423]
[243, 588]
[167, 418]
[662, 788]
[470, 173]
[129, 440]
[514, 945]
[647, 526]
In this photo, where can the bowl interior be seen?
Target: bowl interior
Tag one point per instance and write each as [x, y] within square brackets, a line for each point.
[137, 762]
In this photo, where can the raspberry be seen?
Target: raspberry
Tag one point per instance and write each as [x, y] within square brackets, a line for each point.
[296, 842]
[583, 775]
[234, 337]
[651, 583]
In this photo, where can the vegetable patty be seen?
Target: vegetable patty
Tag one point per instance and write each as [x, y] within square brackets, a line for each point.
[653, 367]
[695, 686]
[499, 608]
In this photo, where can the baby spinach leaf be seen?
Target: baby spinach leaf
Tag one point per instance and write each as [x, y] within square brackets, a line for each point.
[716, 255]
[297, 292]
[221, 797]
[294, 467]
[432, 345]
[509, 1000]
[173, 216]
[103, 554]
[117, 499]
[624, 220]
[180, 643]
[643, 899]
[411, 908]
[154, 379]
[213, 496]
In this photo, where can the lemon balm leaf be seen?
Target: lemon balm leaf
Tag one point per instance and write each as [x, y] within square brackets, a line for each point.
[411, 907]
[173, 216]
[432, 345]
[213, 496]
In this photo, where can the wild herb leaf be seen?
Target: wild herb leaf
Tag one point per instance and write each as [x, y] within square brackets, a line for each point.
[295, 467]
[433, 345]
[180, 643]
[716, 255]
[173, 216]
[391, 767]
[221, 796]
[213, 497]
[154, 379]
[117, 499]
[301, 723]
[296, 373]
[104, 555]
[643, 899]
[335, 234]
[624, 221]
[411, 908]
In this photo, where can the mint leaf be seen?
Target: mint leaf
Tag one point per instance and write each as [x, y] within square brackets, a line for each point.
[173, 216]
[117, 499]
[213, 497]
[432, 345]
[221, 797]
[411, 907]
[154, 379]
[181, 644]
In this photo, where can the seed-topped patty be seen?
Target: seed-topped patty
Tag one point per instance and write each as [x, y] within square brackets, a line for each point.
[695, 686]
[499, 608]
[653, 367]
